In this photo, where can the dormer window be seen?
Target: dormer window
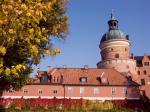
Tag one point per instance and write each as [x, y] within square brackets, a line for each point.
[11, 91]
[146, 63]
[83, 79]
[104, 80]
[54, 79]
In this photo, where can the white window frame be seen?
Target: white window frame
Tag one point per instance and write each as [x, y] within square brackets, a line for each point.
[82, 90]
[55, 91]
[125, 91]
[113, 90]
[70, 90]
[96, 90]
[10, 91]
[104, 80]
[39, 91]
[24, 90]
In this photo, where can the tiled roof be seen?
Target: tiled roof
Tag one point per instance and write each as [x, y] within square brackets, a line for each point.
[139, 60]
[132, 78]
[72, 76]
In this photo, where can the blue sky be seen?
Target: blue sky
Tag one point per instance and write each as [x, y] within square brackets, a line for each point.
[88, 22]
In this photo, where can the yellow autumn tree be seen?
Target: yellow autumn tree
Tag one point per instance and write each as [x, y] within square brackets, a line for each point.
[25, 30]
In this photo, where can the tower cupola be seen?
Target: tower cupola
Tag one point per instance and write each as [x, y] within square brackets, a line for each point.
[113, 23]
[113, 33]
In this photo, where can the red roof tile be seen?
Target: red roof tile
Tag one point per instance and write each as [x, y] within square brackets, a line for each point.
[72, 76]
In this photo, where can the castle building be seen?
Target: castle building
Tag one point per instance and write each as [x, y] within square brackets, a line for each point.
[115, 53]
[142, 76]
[115, 49]
[118, 76]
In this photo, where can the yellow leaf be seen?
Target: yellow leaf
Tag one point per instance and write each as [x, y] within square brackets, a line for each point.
[49, 5]
[28, 14]
[37, 13]
[2, 51]
[24, 7]
[7, 71]
[1, 70]
[31, 30]
[11, 31]
[57, 50]
[34, 49]
[47, 52]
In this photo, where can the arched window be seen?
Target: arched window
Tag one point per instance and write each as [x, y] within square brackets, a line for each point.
[54, 79]
[145, 72]
[114, 24]
[138, 72]
[57, 79]
[116, 55]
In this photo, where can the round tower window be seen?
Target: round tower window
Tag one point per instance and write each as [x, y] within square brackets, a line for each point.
[116, 55]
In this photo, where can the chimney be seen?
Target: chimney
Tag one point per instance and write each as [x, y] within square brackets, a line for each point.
[49, 68]
[39, 73]
[86, 67]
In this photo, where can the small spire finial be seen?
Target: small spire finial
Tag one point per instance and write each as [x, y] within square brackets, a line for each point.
[112, 14]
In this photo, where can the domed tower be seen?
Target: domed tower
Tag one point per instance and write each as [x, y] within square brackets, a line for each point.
[115, 49]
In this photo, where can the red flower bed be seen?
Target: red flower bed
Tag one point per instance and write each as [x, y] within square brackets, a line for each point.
[129, 103]
[65, 102]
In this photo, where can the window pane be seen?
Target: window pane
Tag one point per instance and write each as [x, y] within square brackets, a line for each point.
[81, 90]
[96, 90]
[104, 80]
[83, 79]
[55, 91]
[113, 90]
[40, 91]
[125, 91]
[146, 63]
[142, 81]
[145, 72]
[25, 90]
[70, 90]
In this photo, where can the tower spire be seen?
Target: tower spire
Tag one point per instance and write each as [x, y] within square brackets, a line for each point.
[112, 15]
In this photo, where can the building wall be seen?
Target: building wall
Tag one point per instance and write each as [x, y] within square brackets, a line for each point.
[102, 92]
[74, 92]
[33, 92]
[110, 52]
[128, 65]
[143, 72]
[109, 49]
[116, 54]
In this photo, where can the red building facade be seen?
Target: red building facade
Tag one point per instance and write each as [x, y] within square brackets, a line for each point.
[77, 83]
